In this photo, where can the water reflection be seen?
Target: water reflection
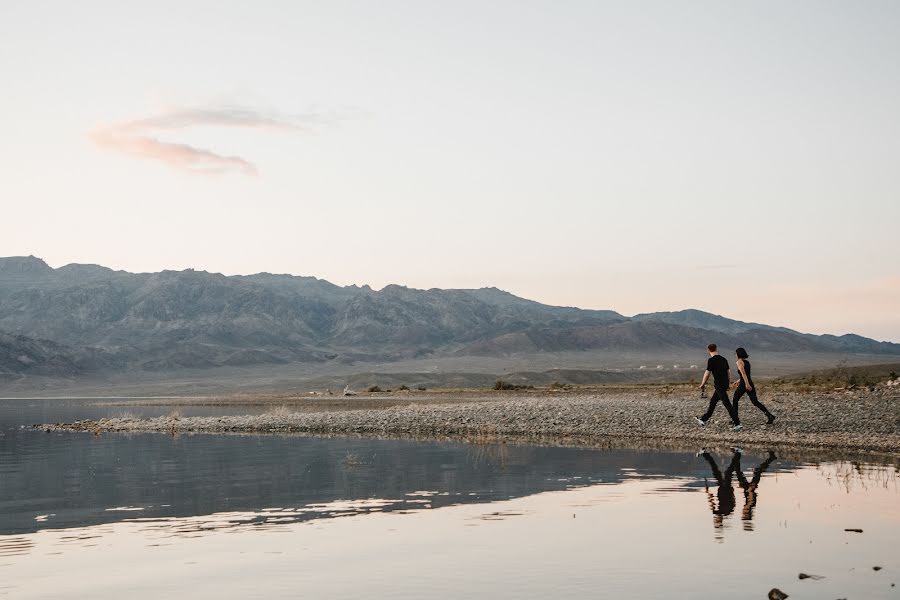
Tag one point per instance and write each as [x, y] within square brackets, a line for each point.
[637, 538]
[723, 503]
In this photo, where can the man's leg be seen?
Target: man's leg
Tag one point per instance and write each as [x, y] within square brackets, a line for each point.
[723, 395]
[713, 400]
[738, 394]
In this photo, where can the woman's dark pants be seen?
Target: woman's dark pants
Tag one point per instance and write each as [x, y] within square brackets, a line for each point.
[741, 390]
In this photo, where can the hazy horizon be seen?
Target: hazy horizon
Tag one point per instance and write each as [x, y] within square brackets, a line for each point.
[734, 158]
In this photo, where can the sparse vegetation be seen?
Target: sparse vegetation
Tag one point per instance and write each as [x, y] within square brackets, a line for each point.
[841, 376]
[421, 388]
[559, 386]
[403, 388]
[279, 411]
[374, 388]
[505, 385]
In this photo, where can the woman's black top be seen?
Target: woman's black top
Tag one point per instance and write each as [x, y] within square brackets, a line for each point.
[747, 373]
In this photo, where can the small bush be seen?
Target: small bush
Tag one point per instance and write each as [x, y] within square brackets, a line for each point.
[403, 388]
[279, 411]
[374, 388]
[893, 375]
[421, 388]
[505, 385]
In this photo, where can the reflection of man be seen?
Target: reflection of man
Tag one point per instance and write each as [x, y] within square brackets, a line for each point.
[723, 503]
[725, 493]
[749, 488]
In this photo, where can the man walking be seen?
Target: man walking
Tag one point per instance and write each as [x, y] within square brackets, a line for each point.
[718, 367]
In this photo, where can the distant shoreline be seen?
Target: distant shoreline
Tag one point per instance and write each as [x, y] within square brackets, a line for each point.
[853, 422]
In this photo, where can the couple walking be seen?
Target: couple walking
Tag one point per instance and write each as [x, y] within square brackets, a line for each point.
[718, 367]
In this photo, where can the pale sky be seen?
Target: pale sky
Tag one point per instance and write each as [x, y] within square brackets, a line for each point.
[740, 158]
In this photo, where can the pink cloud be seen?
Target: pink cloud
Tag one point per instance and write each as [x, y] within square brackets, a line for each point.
[139, 137]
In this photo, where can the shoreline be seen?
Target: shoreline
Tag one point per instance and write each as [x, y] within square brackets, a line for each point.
[859, 423]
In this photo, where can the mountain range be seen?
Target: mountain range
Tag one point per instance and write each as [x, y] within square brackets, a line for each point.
[81, 319]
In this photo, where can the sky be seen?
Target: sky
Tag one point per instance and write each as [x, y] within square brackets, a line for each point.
[735, 157]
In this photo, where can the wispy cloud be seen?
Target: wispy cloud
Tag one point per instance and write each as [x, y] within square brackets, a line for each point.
[140, 138]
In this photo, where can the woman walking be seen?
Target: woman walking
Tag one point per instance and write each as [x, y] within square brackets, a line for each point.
[744, 385]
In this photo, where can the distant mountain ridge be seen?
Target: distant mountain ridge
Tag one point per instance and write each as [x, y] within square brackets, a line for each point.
[89, 318]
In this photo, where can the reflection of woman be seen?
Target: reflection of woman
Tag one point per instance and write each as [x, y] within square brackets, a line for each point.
[749, 488]
[744, 385]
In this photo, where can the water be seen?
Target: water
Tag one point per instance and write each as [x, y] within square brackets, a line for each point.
[287, 516]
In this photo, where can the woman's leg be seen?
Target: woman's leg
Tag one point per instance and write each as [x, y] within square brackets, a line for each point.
[758, 404]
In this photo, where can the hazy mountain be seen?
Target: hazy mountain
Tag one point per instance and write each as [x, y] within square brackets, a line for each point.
[22, 355]
[87, 317]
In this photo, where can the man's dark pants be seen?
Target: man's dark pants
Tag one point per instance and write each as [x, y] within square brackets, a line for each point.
[721, 394]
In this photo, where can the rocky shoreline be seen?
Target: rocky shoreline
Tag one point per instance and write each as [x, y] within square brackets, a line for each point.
[838, 421]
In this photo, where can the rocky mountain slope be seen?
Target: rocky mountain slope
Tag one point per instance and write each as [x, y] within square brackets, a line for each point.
[88, 317]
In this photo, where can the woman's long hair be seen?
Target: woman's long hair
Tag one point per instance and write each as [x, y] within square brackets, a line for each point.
[741, 353]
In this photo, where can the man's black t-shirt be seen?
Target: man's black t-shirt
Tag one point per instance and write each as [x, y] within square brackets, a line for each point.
[718, 366]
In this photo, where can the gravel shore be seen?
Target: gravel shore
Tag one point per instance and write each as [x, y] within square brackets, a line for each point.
[848, 421]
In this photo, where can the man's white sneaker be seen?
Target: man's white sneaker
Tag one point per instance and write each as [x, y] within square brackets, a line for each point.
[738, 428]
[700, 421]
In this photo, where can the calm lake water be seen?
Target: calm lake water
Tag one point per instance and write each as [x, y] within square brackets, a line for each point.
[212, 516]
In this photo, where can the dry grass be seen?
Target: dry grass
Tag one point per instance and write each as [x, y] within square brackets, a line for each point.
[280, 411]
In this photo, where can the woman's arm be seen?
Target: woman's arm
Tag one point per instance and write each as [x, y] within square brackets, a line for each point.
[740, 366]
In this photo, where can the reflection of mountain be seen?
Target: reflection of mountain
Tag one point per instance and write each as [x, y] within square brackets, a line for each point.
[76, 479]
[108, 321]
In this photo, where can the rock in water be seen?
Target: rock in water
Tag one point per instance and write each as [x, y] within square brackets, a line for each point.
[808, 576]
[776, 594]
